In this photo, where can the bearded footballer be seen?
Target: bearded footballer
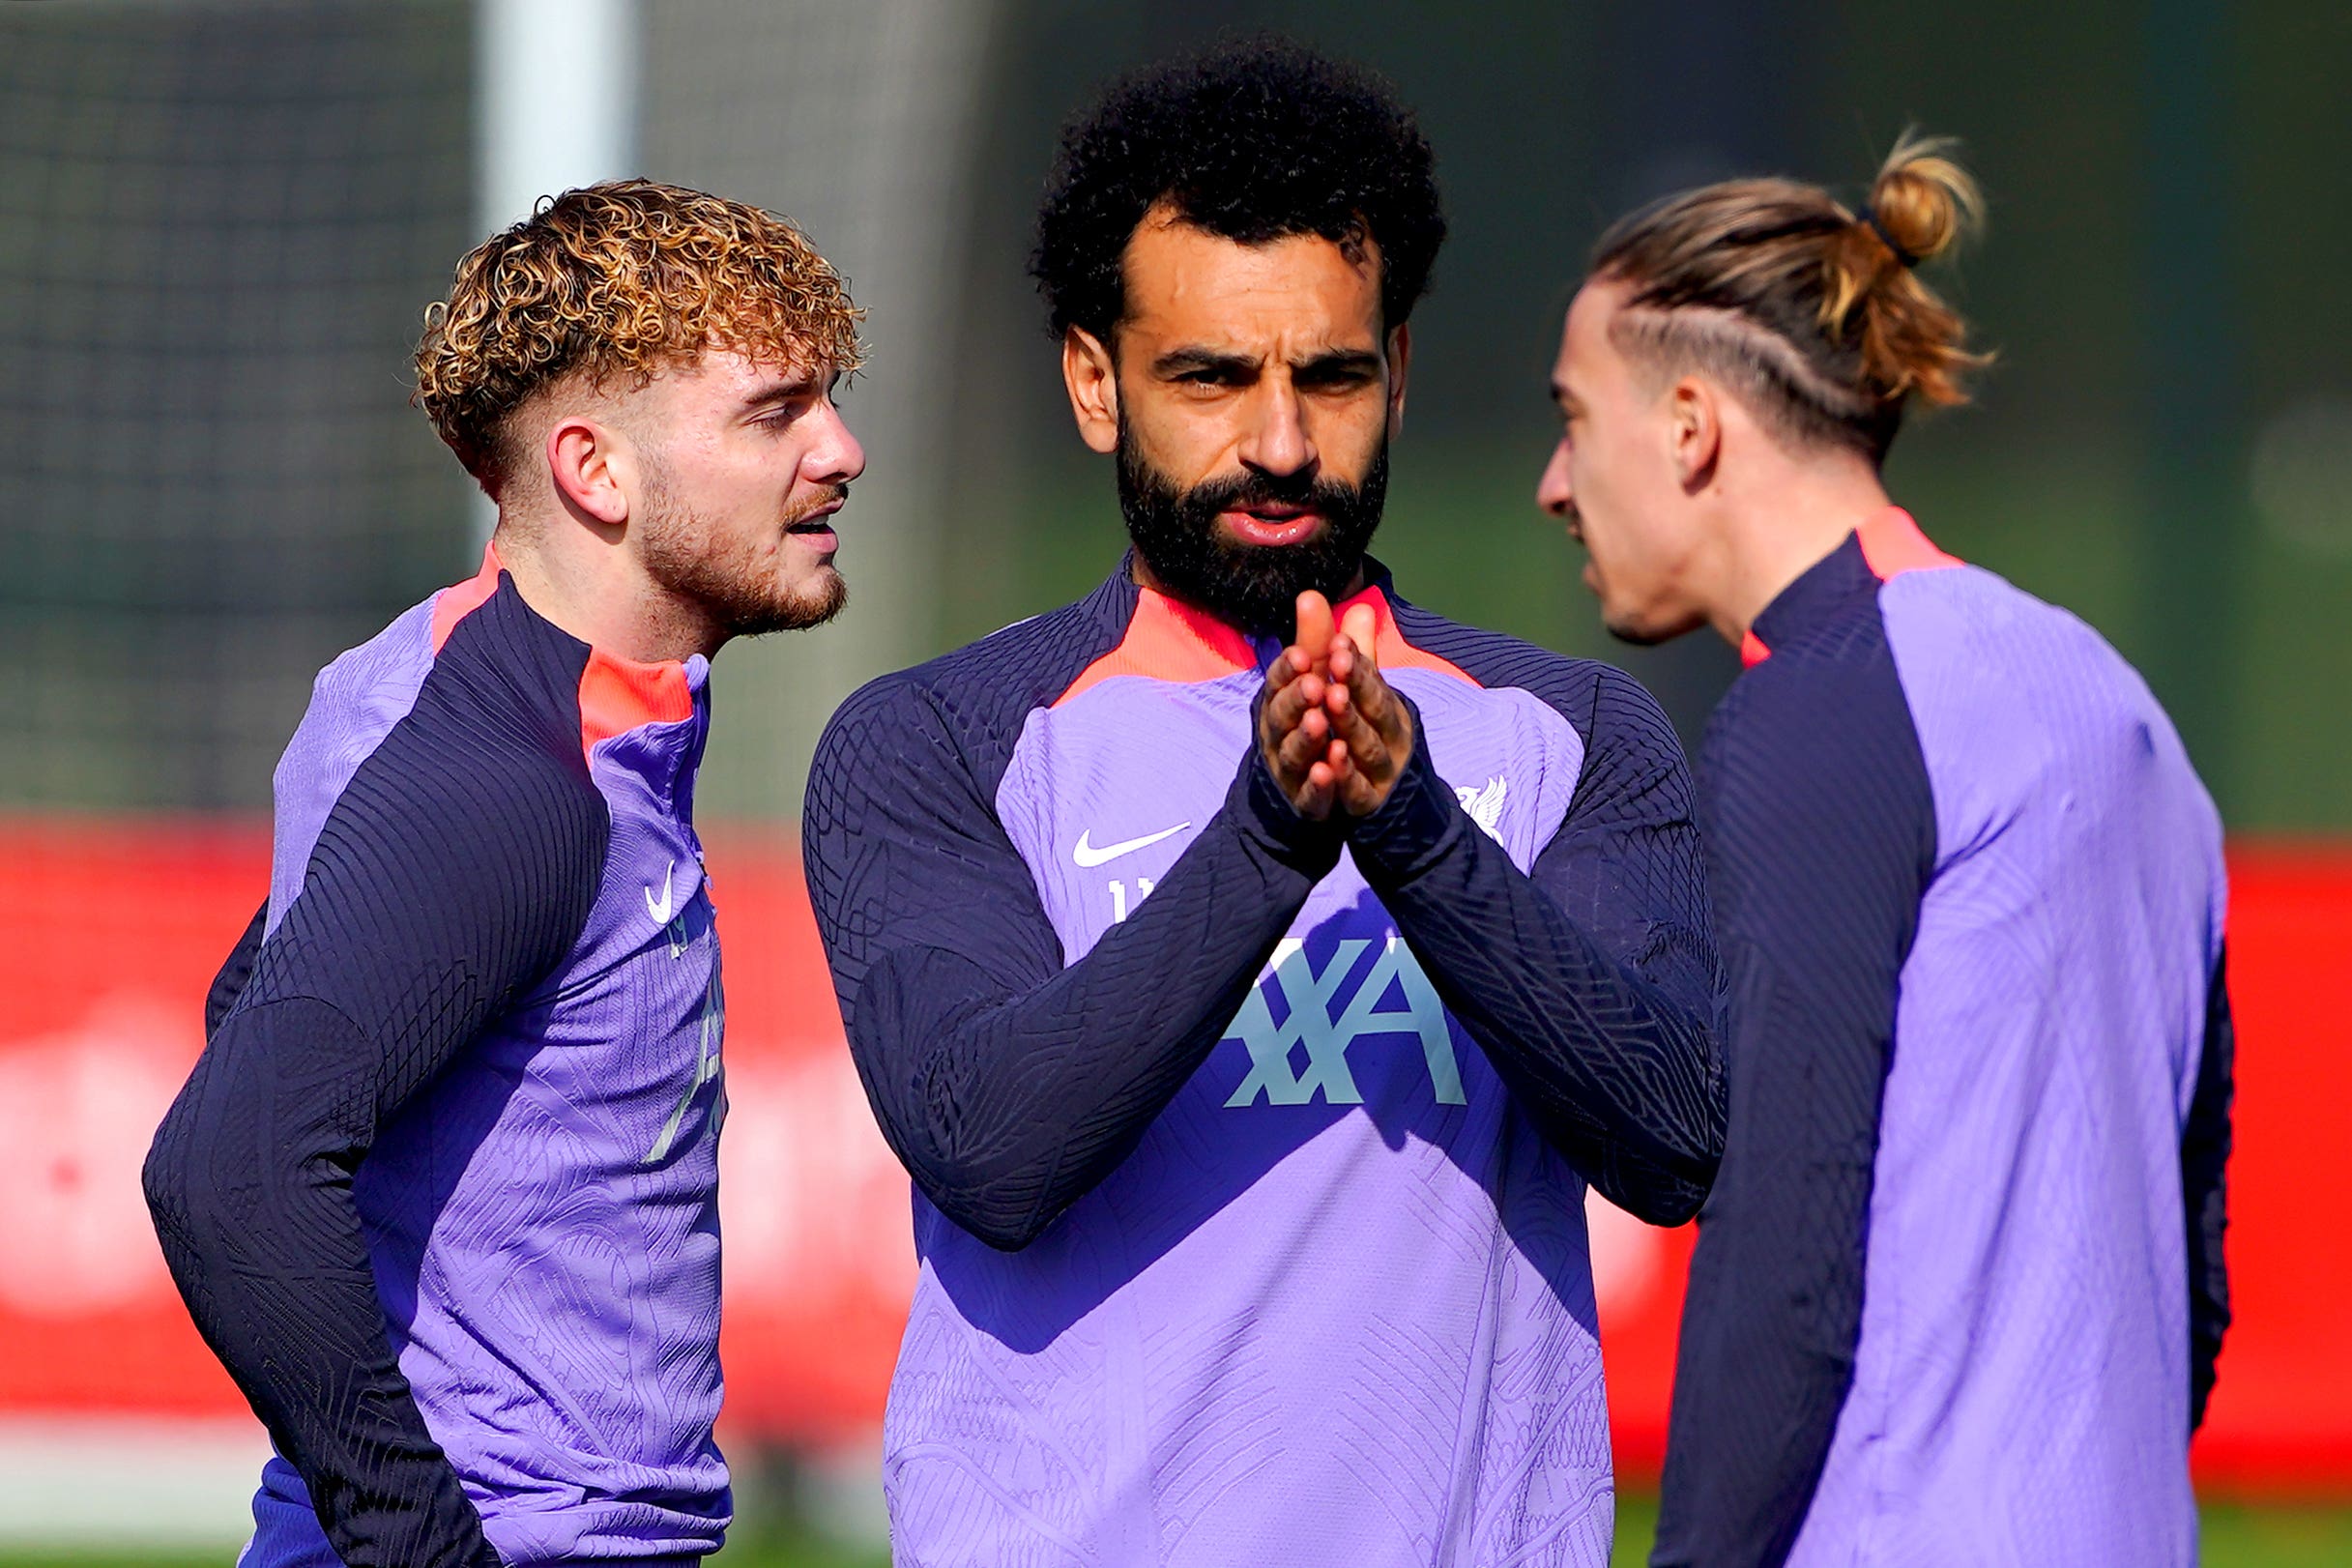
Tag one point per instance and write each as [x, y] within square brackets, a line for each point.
[1253, 969]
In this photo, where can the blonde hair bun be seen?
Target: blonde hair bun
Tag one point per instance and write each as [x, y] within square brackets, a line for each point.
[1811, 312]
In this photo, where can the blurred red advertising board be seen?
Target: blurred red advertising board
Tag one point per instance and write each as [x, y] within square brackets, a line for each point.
[2282, 1414]
[112, 931]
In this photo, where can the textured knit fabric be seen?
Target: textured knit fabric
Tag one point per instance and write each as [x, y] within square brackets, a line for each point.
[1250, 1169]
[2205, 1144]
[1949, 1305]
[440, 1192]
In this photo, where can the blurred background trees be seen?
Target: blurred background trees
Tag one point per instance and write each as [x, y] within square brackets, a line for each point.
[218, 222]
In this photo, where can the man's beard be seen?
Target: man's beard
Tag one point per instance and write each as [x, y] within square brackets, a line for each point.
[1254, 586]
[727, 581]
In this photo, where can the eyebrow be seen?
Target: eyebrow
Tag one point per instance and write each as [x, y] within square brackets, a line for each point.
[785, 389]
[1360, 360]
[1177, 362]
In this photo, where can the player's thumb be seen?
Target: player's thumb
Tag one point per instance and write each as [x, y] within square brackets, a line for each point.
[1363, 628]
[1315, 625]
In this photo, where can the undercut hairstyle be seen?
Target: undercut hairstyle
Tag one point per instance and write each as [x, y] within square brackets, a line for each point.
[1255, 140]
[619, 279]
[1812, 314]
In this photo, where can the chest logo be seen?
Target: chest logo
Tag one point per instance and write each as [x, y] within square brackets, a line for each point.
[1485, 805]
[1087, 856]
[707, 1070]
[661, 911]
[1310, 997]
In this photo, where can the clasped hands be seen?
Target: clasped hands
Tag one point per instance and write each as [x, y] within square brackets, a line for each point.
[1334, 733]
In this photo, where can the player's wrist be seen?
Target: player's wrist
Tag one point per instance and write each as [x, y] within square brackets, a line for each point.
[1399, 839]
[1268, 819]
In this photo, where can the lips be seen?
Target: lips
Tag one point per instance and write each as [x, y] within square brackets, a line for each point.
[816, 529]
[1272, 527]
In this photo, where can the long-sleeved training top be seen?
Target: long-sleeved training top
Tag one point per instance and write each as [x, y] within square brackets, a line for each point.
[442, 1190]
[1959, 1287]
[1249, 1167]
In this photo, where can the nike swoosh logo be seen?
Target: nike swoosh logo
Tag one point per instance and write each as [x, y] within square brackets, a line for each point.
[661, 911]
[1088, 856]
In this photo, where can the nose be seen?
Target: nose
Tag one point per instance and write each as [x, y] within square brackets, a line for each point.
[1552, 492]
[835, 456]
[1278, 442]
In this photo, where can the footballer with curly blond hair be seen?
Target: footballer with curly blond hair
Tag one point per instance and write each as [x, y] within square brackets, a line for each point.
[442, 1192]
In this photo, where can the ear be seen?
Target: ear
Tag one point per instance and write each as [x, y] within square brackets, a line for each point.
[1092, 377]
[1695, 432]
[591, 473]
[1399, 361]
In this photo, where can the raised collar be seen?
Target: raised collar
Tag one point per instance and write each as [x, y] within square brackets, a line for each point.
[1166, 639]
[1888, 545]
[616, 695]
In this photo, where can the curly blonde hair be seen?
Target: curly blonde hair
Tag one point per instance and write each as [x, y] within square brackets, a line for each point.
[619, 278]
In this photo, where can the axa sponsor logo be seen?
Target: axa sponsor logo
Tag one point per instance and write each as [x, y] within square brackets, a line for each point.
[707, 1068]
[1363, 991]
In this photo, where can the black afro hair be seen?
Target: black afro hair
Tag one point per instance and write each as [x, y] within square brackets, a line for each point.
[1256, 140]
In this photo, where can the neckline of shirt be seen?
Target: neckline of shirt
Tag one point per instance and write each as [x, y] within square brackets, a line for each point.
[1885, 546]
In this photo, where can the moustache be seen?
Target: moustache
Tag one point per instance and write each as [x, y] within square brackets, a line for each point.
[798, 516]
[1248, 490]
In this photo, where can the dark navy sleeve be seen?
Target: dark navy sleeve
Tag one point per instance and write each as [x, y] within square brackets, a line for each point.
[1008, 1084]
[1589, 984]
[235, 971]
[1820, 835]
[453, 873]
[2205, 1142]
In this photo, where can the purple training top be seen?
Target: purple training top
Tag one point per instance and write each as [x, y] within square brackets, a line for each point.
[1958, 1289]
[487, 979]
[1321, 1293]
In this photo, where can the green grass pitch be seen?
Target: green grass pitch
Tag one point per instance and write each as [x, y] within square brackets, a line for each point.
[2236, 1536]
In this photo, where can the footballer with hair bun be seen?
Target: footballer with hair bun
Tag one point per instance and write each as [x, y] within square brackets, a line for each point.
[1251, 968]
[1958, 1288]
